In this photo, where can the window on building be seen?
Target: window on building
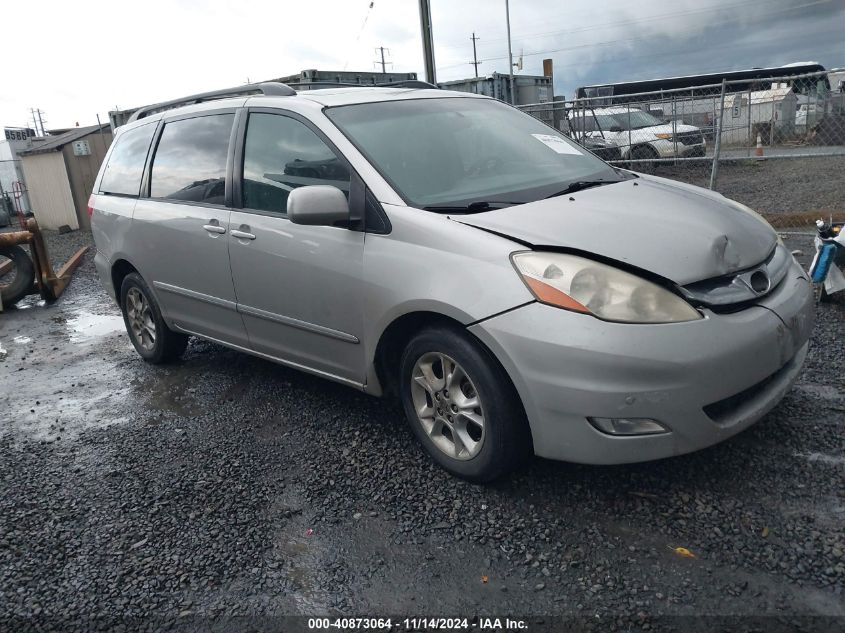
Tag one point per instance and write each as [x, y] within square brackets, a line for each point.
[126, 163]
[190, 161]
[282, 154]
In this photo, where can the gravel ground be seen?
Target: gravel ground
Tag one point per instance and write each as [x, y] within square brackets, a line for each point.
[227, 487]
[773, 186]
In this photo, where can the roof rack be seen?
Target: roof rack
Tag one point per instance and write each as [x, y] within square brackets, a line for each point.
[269, 89]
[405, 83]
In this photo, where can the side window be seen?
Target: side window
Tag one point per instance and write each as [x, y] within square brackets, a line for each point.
[190, 161]
[126, 163]
[607, 122]
[282, 154]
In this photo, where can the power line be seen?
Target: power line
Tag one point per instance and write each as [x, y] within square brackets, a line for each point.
[631, 21]
[361, 30]
[632, 39]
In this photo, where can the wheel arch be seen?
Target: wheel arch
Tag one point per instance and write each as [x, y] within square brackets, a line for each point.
[394, 338]
[120, 268]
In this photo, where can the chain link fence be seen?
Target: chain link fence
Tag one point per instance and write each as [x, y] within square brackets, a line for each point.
[775, 144]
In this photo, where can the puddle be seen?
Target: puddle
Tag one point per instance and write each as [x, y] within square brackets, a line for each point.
[835, 460]
[86, 326]
[824, 392]
[67, 416]
[31, 301]
[22, 340]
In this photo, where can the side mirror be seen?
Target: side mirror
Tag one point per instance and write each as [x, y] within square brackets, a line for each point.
[317, 205]
[615, 128]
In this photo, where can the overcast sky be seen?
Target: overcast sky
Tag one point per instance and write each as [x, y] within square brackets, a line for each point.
[75, 60]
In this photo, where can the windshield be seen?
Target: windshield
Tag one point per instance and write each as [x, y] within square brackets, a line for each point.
[455, 151]
[635, 119]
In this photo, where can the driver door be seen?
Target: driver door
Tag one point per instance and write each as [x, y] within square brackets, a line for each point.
[299, 288]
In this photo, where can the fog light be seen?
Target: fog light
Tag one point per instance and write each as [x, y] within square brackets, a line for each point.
[628, 426]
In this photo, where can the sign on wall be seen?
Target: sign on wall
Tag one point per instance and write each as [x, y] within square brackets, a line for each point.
[81, 148]
[18, 133]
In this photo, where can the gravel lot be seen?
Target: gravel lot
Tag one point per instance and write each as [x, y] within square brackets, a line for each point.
[775, 186]
[227, 486]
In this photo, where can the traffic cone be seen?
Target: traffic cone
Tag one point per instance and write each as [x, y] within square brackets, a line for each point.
[759, 151]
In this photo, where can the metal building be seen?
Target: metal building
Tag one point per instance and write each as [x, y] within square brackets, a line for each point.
[60, 172]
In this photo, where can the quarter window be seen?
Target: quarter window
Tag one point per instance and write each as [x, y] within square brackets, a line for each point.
[126, 163]
[190, 161]
[282, 154]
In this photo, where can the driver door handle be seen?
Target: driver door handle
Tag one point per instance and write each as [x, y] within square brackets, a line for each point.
[214, 228]
[242, 235]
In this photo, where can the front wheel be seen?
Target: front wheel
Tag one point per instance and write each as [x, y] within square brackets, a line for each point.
[152, 339]
[646, 155]
[462, 406]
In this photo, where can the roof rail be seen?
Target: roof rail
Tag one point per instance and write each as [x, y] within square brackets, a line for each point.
[269, 89]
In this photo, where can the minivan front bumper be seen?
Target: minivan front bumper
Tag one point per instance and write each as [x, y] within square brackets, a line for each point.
[704, 380]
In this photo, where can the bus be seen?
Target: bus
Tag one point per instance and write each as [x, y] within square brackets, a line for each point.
[752, 80]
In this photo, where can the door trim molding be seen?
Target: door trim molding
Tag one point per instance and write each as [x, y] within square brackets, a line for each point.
[193, 294]
[302, 325]
[258, 313]
[275, 359]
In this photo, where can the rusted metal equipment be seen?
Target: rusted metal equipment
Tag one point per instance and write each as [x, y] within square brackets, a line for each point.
[48, 284]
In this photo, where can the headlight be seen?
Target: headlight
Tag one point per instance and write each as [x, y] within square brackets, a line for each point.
[583, 285]
[664, 136]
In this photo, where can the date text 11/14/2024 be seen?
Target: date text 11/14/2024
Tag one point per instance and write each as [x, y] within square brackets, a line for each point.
[418, 624]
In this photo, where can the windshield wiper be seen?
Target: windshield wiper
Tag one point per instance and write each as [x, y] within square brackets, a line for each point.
[580, 185]
[473, 207]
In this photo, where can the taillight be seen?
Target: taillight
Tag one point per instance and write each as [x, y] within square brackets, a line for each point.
[91, 206]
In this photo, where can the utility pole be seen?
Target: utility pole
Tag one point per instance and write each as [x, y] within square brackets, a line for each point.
[37, 121]
[510, 52]
[382, 62]
[428, 41]
[475, 61]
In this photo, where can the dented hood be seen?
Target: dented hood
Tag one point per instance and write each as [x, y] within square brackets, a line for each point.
[680, 232]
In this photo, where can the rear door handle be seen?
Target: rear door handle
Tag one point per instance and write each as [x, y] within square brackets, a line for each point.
[214, 228]
[242, 235]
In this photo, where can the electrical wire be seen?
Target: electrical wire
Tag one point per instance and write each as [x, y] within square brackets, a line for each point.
[361, 30]
[630, 39]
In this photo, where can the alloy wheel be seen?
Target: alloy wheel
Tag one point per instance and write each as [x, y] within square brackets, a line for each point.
[139, 316]
[447, 405]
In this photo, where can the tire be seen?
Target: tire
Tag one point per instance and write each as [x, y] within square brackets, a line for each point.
[643, 152]
[152, 339]
[484, 452]
[24, 270]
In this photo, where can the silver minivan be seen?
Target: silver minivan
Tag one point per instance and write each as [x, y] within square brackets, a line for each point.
[516, 293]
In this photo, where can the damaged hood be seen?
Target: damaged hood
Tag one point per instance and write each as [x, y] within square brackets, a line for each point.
[680, 232]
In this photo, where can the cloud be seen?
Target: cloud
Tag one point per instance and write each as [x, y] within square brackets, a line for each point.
[83, 59]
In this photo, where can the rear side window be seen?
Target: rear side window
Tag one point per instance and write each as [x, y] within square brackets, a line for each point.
[282, 154]
[126, 163]
[190, 161]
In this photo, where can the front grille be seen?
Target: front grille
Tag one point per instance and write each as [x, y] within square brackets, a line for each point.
[736, 291]
[690, 138]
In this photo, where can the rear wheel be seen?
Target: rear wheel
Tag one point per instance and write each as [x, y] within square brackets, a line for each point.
[16, 282]
[152, 339]
[462, 406]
